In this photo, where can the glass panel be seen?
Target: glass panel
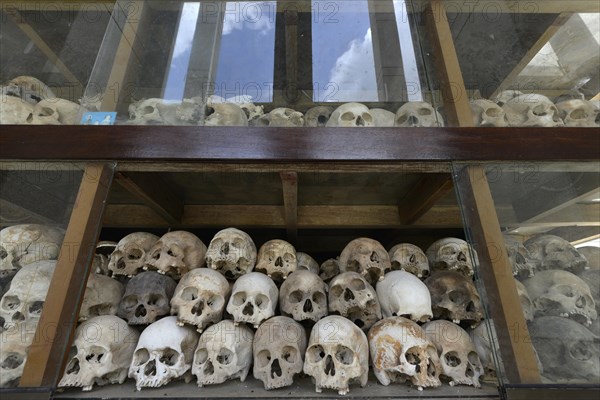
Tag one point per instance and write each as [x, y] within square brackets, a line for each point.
[36, 200]
[549, 214]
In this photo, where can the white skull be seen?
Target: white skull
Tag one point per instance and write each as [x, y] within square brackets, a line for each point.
[532, 110]
[43, 116]
[102, 297]
[102, 255]
[200, 298]
[278, 348]
[410, 258]
[190, 111]
[454, 298]
[459, 359]
[224, 353]
[231, 252]
[281, 117]
[303, 296]
[329, 269]
[129, 255]
[560, 293]
[317, 116]
[148, 112]
[400, 351]
[224, 114]
[102, 351]
[418, 114]
[579, 113]
[175, 254]
[253, 112]
[253, 299]
[164, 353]
[337, 355]
[22, 304]
[307, 262]
[553, 252]
[383, 118]
[503, 97]
[65, 111]
[526, 303]
[486, 113]
[351, 115]
[522, 263]
[592, 278]
[567, 351]
[351, 296]
[367, 257]
[29, 89]
[14, 347]
[24, 244]
[277, 258]
[452, 254]
[146, 299]
[402, 294]
[15, 111]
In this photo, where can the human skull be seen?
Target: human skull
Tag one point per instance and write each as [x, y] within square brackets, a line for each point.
[454, 297]
[383, 118]
[553, 252]
[367, 257]
[253, 299]
[567, 351]
[224, 114]
[224, 353]
[200, 298]
[317, 116]
[303, 296]
[486, 113]
[65, 111]
[401, 352]
[526, 303]
[560, 293]
[410, 258]
[418, 114]
[190, 111]
[22, 304]
[307, 262]
[277, 258]
[15, 111]
[579, 113]
[14, 347]
[329, 269]
[102, 297]
[102, 255]
[147, 112]
[129, 255]
[102, 353]
[253, 112]
[522, 263]
[532, 110]
[146, 298]
[592, 278]
[592, 255]
[503, 97]
[24, 244]
[351, 115]
[231, 252]
[28, 88]
[337, 355]
[452, 254]
[281, 117]
[402, 294]
[459, 359]
[351, 296]
[43, 116]
[278, 348]
[164, 352]
[486, 344]
[175, 254]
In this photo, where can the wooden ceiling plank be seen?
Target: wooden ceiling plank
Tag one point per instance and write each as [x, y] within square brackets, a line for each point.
[423, 196]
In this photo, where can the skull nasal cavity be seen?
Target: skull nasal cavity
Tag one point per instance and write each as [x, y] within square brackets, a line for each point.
[308, 307]
[198, 308]
[209, 368]
[462, 256]
[276, 369]
[412, 120]
[150, 369]
[140, 311]
[225, 248]
[348, 295]
[248, 309]
[580, 303]
[279, 262]
[374, 256]
[329, 366]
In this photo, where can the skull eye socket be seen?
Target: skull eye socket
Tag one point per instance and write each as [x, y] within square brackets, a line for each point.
[190, 293]
[3, 253]
[451, 358]
[130, 301]
[337, 290]
[315, 354]
[263, 358]
[348, 116]
[473, 358]
[201, 356]
[289, 354]
[448, 251]
[215, 302]
[156, 300]
[148, 110]
[239, 298]
[95, 355]
[540, 110]
[357, 284]
[493, 112]
[262, 301]
[296, 296]
[401, 120]
[344, 355]
[424, 111]
[367, 117]
[458, 297]
[10, 303]
[35, 308]
[238, 243]
[141, 357]
[169, 357]
[318, 298]
[565, 290]
[413, 357]
[12, 361]
[578, 114]
[134, 254]
[289, 258]
[581, 351]
[225, 356]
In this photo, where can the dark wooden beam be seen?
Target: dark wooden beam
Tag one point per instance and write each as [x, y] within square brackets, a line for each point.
[289, 182]
[424, 195]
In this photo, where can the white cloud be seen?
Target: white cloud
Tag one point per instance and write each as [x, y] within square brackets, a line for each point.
[187, 29]
[254, 15]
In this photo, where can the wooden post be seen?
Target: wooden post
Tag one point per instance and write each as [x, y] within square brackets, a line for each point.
[48, 353]
[289, 181]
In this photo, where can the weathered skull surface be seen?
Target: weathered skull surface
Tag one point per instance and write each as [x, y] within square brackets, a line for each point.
[277, 258]
[176, 253]
[403, 295]
[592, 255]
[102, 297]
[281, 117]
[146, 298]
[503, 97]
[231, 252]
[200, 298]
[532, 110]
[15, 111]
[129, 255]
[43, 116]
[337, 355]
[526, 303]
[592, 278]
[65, 111]
[418, 114]
[317, 116]
[164, 353]
[452, 254]
[278, 348]
[28, 88]
[24, 244]
[190, 111]
[22, 304]
[224, 114]
[253, 112]
[486, 344]
[454, 297]
[151, 112]
[460, 362]
[253, 299]
[351, 115]
[580, 113]
[410, 258]
[568, 352]
[303, 296]
[523, 264]
[486, 113]
[102, 255]
[401, 352]
[553, 252]
[224, 353]
[102, 352]
[13, 355]
[383, 118]
[367, 257]
[307, 262]
[560, 293]
[329, 269]
[351, 296]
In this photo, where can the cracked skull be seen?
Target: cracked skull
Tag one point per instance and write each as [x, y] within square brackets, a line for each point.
[146, 298]
[351, 296]
[410, 258]
[231, 252]
[253, 299]
[13, 355]
[553, 252]
[175, 254]
[307, 262]
[403, 295]
[277, 258]
[367, 257]
[532, 110]
[454, 298]
[351, 115]
[303, 296]
[523, 264]
[102, 297]
[129, 255]
[452, 254]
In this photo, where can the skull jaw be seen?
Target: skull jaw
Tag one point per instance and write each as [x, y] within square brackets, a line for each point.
[450, 312]
[163, 375]
[550, 307]
[270, 379]
[220, 375]
[185, 316]
[229, 267]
